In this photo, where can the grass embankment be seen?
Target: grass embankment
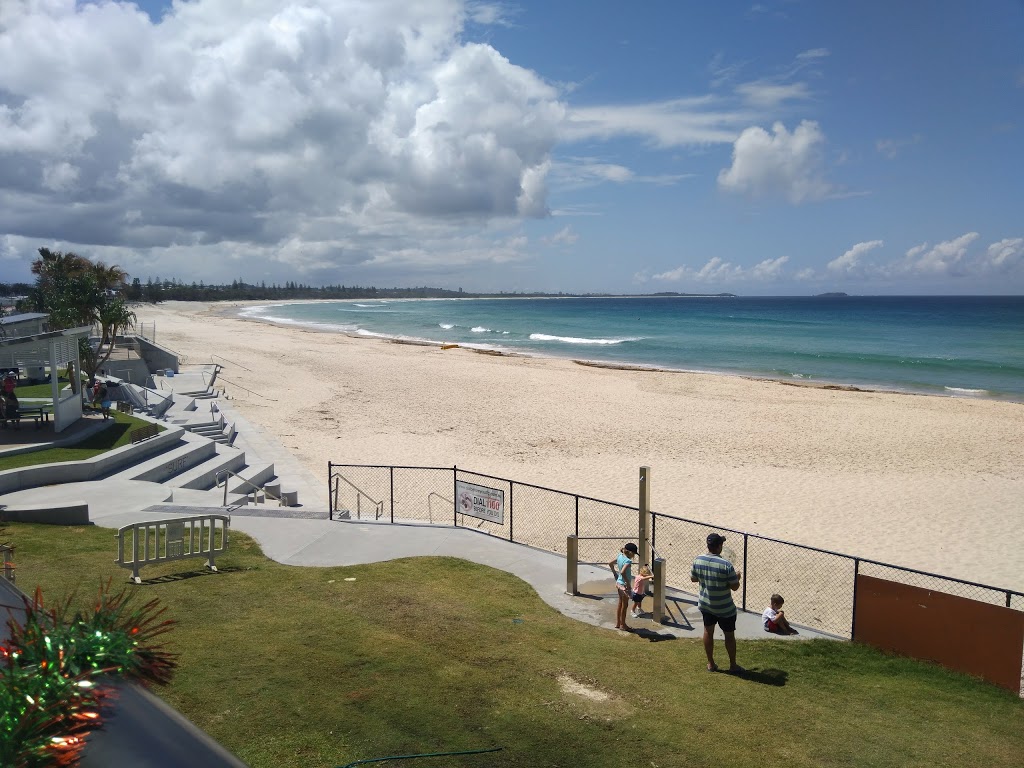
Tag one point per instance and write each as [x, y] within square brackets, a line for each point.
[297, 667]
[114, 436]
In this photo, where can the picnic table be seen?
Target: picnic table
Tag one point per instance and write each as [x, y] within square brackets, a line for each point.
[35, 410]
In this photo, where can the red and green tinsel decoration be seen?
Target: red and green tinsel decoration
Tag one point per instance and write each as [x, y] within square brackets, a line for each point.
[53, 667]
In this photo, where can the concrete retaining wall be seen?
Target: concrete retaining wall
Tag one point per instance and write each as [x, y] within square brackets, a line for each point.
[69, 514]
[156, 357]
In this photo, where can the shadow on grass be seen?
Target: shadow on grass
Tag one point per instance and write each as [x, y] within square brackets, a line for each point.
[651, 636]
[172, 577]
[767, 676]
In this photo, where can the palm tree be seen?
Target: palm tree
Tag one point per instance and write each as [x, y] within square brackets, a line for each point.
[115, 316]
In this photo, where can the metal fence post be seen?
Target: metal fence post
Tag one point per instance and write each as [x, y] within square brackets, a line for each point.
[572, 558]
[658, 612]
[391, 473]
[744, 571]
[330, 496]
[578, 530]
[511, 485]
[644, 527]
[455, 494]
[853, 617]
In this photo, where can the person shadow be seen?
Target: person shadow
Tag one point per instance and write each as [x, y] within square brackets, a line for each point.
[764, 676]
[651, 635]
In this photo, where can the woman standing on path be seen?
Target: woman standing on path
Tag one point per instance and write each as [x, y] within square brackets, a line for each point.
[622, 569]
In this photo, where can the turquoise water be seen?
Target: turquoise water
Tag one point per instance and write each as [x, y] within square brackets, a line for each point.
[969, 346]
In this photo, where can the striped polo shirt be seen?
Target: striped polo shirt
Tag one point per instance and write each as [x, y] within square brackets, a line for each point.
[715, 574]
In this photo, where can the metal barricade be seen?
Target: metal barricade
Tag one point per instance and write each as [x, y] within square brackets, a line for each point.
[161, 541]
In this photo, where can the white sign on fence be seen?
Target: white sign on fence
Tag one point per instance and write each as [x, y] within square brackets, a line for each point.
[478, 501]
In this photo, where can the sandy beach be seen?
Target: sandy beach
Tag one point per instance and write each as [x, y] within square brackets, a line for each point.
[932, 483]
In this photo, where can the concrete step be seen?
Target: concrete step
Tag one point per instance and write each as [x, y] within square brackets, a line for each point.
[258, 475]
[191, 451]
[206, 430]
[203, 476]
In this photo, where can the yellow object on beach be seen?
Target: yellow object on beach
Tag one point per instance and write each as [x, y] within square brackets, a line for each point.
[449, 346]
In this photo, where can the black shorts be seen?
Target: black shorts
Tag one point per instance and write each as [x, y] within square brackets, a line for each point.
[727, 624]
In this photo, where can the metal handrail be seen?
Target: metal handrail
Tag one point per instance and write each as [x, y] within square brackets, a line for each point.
[255, 487]
[232, 383]
[430, 510]
[378, 505]
[233, 363]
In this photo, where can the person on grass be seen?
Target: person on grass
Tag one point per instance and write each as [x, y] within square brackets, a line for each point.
[774, 618]
[643, 576]
[718, 580]
[622, 570]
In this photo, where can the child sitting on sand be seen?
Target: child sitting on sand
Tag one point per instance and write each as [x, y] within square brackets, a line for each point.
[640, 589]
[775, 618]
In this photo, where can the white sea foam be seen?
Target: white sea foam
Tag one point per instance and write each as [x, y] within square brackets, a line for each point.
[480, 329]
[370, 306]
[447, 326]
[575, 340]
[965, 391]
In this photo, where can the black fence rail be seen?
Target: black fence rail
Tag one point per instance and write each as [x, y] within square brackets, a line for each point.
[819, 585]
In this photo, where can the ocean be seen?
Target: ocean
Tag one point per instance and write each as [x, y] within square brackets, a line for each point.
[962, 346]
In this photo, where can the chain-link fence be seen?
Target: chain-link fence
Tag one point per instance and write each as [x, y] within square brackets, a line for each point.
[819, 584]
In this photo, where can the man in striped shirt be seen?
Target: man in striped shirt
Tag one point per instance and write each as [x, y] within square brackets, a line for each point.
[718, 580]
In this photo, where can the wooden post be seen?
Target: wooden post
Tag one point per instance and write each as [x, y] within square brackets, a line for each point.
[658, 613]
[645, 516]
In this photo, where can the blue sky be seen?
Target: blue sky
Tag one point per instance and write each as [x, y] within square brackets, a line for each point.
[777, 148]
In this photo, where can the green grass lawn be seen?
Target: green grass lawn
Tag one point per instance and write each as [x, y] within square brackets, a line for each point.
[39, 390]
[114, 436]
[300, 667]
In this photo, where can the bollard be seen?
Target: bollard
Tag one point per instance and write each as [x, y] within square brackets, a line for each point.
[572, 560]
[658, 613]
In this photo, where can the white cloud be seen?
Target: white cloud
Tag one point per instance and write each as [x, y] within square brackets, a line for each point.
[813, 53]
[778, 165]
[892, 148]
[950, 258]
[696, 121]
[767, 95]
[1006, 254]
[564, 236]
[850, 262]
[945, 258]
[307, 135]
[576, 172]
[718, 271]
[491, 14]
[772, 93]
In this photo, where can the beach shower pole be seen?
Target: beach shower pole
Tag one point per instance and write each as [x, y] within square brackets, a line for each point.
[645, 515]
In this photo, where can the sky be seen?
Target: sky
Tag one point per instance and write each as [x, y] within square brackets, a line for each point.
[769, 148]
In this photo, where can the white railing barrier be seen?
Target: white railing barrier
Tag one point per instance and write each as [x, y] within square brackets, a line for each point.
[161, 541]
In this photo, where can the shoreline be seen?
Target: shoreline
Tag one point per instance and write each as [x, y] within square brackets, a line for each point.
[827, 384]
[929, 483]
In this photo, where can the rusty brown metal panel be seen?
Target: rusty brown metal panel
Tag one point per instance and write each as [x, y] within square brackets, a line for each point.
[983, 640]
